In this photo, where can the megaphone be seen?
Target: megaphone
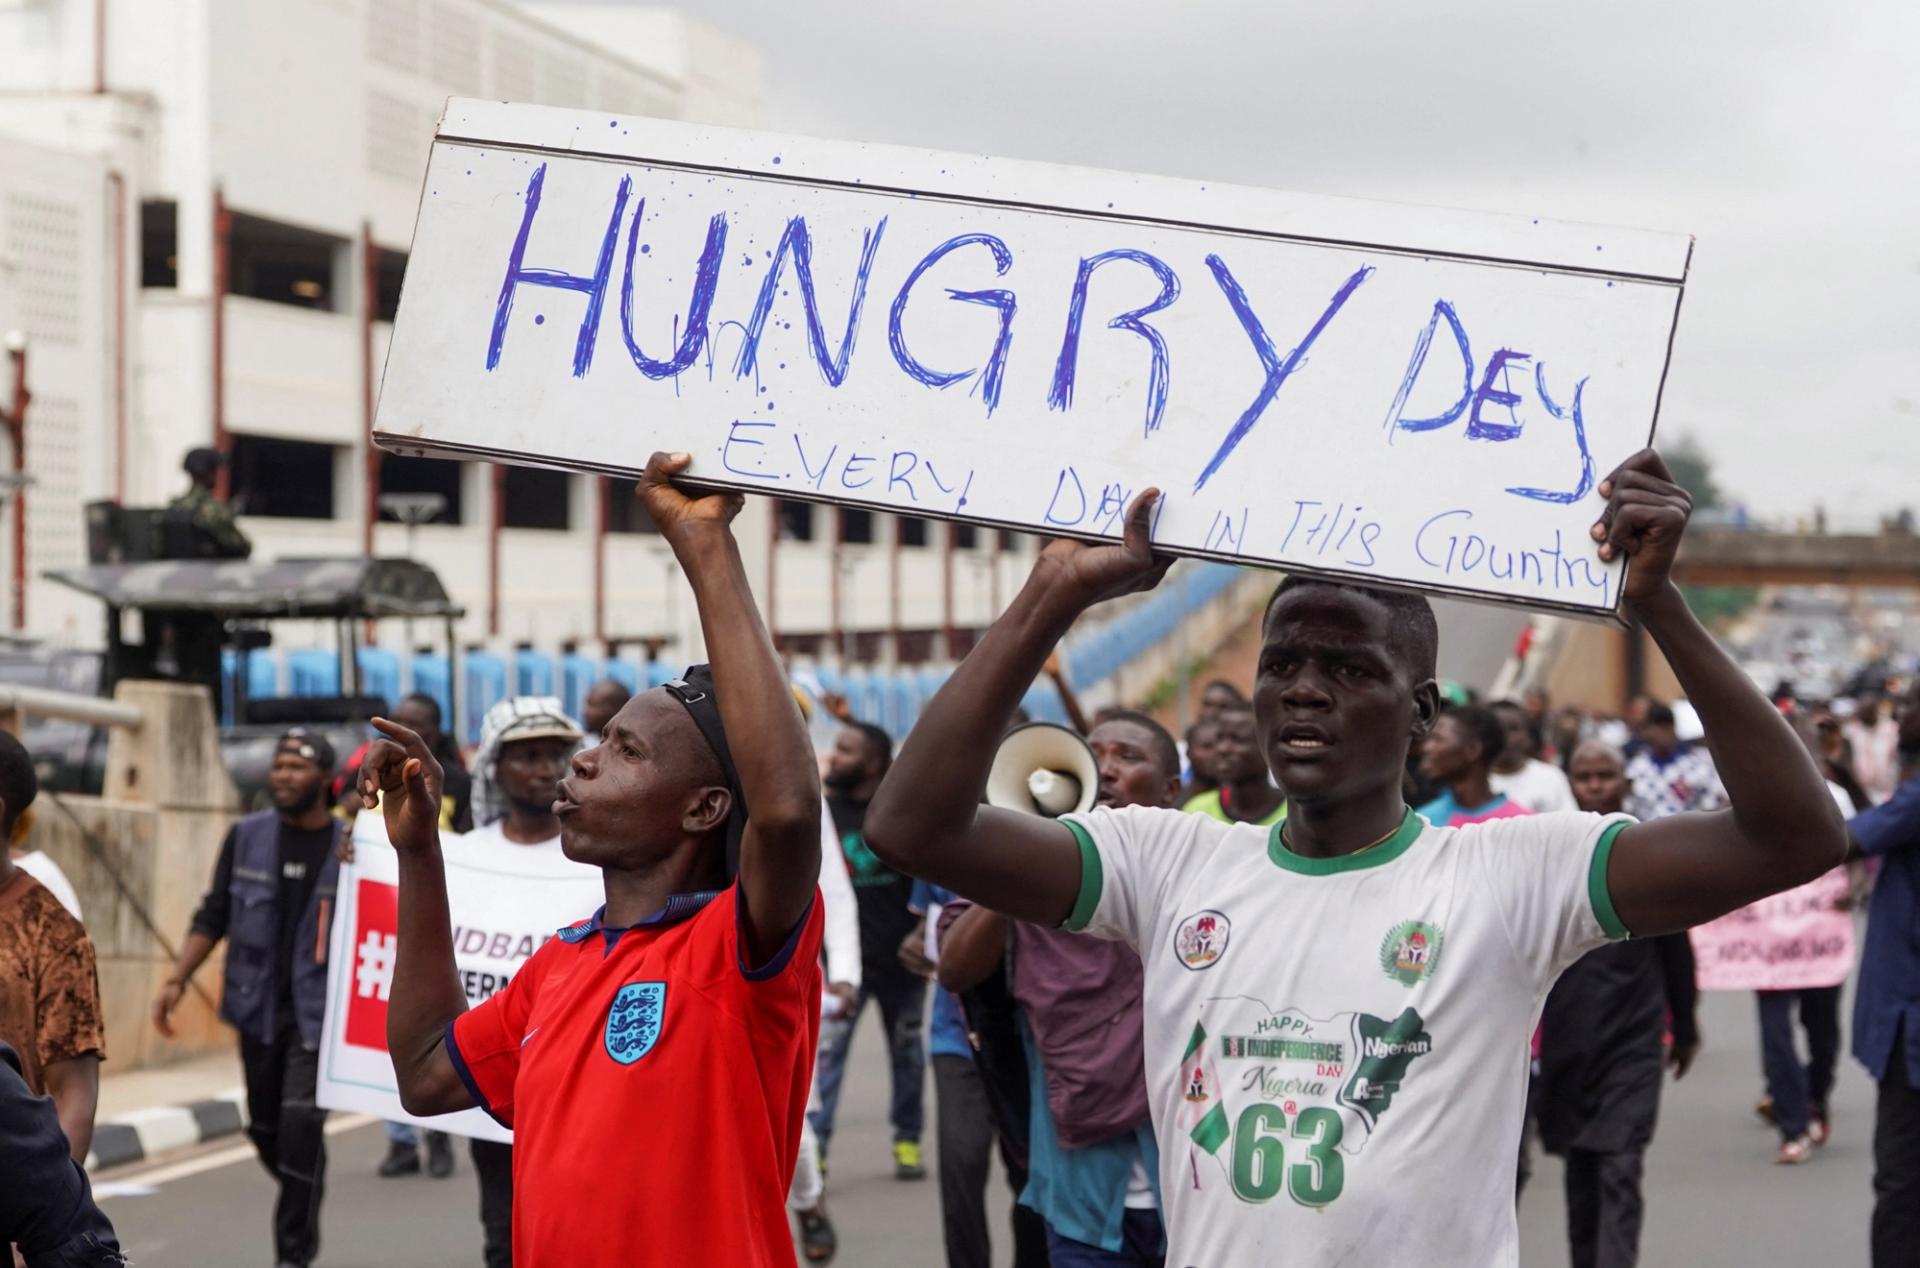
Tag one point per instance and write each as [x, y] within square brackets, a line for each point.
[1043, 769]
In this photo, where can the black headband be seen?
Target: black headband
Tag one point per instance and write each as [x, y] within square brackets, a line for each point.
[695, 691]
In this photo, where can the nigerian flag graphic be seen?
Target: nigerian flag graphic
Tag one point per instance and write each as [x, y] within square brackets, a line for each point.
[1205, 1112]
[1275, 1065]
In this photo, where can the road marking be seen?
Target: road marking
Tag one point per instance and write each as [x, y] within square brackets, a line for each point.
[139, 1183]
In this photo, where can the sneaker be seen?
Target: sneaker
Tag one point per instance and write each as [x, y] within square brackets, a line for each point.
[1794, 1152]
[818, 1241]
[906, 1161]
[1818, 1129]
[439, 1155]
[401, 1160]
[1764, 1108]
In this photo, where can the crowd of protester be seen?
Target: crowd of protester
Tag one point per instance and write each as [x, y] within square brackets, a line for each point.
[1011, 1001]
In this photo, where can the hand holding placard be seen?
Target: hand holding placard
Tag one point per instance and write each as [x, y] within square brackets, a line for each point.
[1646, 515]
[1086, 573]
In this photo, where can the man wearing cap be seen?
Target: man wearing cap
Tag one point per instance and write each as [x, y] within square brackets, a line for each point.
[652, 1059]
[272, 900]
[215, 534]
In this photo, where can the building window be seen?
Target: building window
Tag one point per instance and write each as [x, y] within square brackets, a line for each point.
[856, 526]
[535, 498]
[801, 644]
[291, 479]
[913, 531]
[1009, 540]
[796, 520]
[426, 477]
[159, 245]
[965, 537]
[277, 262]
[388, 268]
[914, 647]
[626, 513]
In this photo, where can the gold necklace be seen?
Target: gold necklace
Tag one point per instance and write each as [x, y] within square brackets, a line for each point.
[1362, 850]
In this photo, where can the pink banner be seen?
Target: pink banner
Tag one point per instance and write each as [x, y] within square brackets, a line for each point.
[1788, 942]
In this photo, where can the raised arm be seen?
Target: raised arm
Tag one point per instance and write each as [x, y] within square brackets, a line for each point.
[927, 820]
[401, 777]
[1056, 671]
[1781, 828]
[780, 853]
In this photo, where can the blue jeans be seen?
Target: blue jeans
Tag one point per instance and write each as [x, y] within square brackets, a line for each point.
[1799, 1091]
[903, 1006]
[402, 1134]
[1141, 1239]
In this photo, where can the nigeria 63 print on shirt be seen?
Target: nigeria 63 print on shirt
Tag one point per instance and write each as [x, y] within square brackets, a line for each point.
[1337, 1048]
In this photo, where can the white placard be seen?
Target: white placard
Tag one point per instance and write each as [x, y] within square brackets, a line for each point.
[1417, 397]
[505, 899]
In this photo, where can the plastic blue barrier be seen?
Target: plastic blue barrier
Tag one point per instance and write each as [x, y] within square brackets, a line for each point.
[258, 671]
[900, 703]
[863, 696]
[430, 678]
[577, 676]
[379, 674]
[624, 672]
[313, 671]
[483, 677]
[533, 673]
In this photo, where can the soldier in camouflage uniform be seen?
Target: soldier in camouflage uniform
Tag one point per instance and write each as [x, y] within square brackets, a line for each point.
[216, 534]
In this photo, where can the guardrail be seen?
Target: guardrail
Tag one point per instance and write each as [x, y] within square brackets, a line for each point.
[18, 702]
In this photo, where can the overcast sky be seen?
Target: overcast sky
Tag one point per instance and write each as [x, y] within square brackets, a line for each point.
[1786, 137]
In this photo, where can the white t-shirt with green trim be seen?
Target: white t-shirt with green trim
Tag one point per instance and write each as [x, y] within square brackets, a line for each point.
[1337, 1048]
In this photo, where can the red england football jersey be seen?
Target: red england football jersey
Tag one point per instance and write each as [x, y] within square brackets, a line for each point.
[655, 1085]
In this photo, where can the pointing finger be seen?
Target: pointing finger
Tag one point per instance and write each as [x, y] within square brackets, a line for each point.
[410, 741]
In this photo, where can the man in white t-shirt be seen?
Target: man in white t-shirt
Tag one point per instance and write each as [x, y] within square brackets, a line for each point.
[40, 865]
[1518, 772]
[1338, 1007]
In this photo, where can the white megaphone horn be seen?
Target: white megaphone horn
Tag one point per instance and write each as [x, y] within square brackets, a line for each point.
[1043, 769]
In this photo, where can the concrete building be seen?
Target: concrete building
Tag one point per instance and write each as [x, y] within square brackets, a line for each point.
[205, 210]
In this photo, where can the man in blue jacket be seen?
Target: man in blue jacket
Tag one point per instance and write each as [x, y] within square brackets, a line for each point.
[272, 900]
[1886, 1012]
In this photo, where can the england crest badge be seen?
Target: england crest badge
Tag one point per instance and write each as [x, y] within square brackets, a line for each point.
[634, 1021]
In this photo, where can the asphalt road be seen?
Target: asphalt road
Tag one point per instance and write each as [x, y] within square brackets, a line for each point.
[1714, 1196]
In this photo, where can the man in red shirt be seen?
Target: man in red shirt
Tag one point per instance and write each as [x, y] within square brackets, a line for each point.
[653, 1059]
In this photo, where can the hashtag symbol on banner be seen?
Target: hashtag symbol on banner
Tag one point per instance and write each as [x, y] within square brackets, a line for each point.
[374, 976]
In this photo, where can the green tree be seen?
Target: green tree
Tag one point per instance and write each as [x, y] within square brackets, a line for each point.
[1693, 471]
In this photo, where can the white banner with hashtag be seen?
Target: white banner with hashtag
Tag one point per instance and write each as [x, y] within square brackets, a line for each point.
[505, 900]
